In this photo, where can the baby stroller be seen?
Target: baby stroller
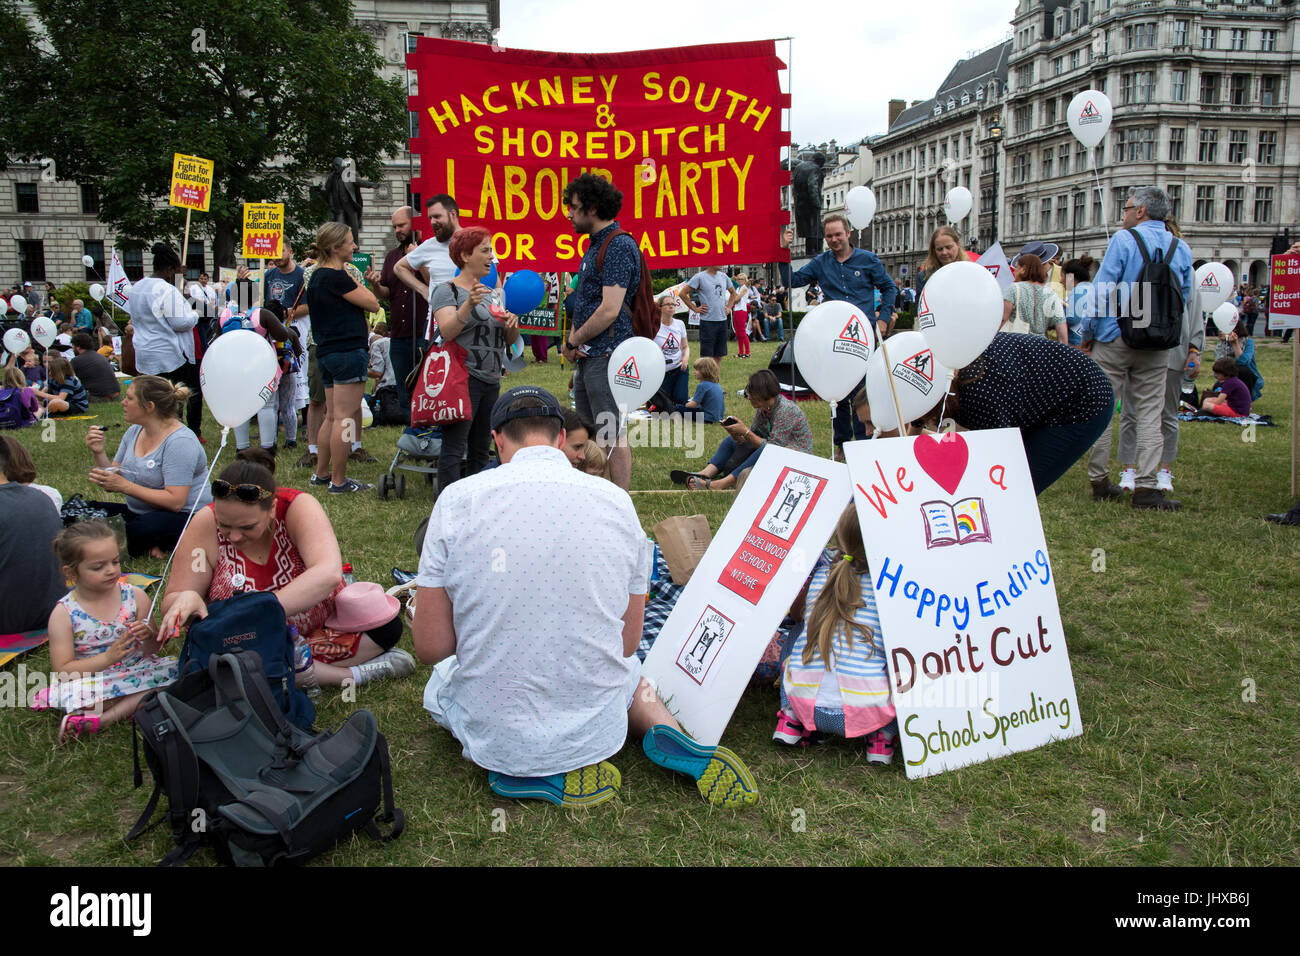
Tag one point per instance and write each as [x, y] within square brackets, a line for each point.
[417, 453]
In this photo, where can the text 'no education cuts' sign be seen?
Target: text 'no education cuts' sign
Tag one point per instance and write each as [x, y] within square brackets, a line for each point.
[1284, 293]
[752, 572]
[976, 652]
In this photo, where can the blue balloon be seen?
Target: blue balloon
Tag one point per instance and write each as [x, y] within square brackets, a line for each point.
[489, 280]
[524, 291]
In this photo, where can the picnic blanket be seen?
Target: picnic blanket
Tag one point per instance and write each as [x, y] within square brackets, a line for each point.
[12, 645]
[1263, 421]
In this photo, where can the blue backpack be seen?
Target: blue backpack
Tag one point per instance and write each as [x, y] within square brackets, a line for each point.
[252, 621]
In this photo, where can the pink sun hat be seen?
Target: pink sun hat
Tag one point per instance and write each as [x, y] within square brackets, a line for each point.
[362, 607]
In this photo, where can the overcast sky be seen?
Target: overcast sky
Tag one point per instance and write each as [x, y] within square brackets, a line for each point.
[851, 57]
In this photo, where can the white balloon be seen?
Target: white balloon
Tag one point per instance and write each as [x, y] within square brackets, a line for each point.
[861, 206]
[16, 340]
[1089, 117]
[239, 373]
[44, 330]
[1214, 282]
[1225, 317]
[636, 370]
[4, 306]
[957, 204]
[832, 346]
[87, 261]
[959, 312]
[18, 304]
[919, 378]
[97, 292]
[515, 360]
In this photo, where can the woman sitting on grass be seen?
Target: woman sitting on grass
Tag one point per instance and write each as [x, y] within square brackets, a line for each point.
[777, 421]
[256, 536]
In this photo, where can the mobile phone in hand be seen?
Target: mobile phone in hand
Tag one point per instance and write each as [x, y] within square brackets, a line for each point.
[730, 420]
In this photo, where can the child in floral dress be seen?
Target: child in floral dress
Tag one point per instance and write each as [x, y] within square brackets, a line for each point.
[102, 647]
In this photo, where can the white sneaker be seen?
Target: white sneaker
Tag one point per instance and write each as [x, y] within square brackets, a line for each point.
[1128, 479]
[1164, 480]
[393, 663]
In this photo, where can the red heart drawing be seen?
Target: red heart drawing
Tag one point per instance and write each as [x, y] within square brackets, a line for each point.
[944, 459]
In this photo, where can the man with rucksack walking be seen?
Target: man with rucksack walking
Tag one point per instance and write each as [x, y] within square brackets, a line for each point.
[1140, 290]
[603, 304]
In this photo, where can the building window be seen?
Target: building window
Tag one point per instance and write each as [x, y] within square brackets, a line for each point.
[1062, 213]
[1177, 139]
[1096, 207]
[1045, 215]
[1049, 111]
[1024, 117]
[1266, 153]
[31, 260]
[1063, 158]
[1209, 143]
[194, 263]
[1074, 59]
[1180, 33]
[1209, 88]
[1237, 40]
[1136, 87]
[1263, 203]
[1209, 38]
[29, 200]
[1120, 196]
[1020, 216]
[1178, 86]
[1126, 88]
[95, 249]
[970, 145]
[1078, 209]
[1025, 76]
[1267, 41]
[1268, 87]
[410, 44]
[1058, 66]
[1140, 143]
[1204, 203]
[1236, 145]
[413, 124]
[1080, 157]
[90, 200]
[1047, 163]
[1175, 194]
[1233, 200]
[133, 264]
[1238, 87]
[1140, 36]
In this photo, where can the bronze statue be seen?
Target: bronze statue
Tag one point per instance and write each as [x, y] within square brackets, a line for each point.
[806, 177]
[343, 190]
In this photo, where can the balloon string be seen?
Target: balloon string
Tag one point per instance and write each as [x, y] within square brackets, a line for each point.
[1102, 197]
[157, 604]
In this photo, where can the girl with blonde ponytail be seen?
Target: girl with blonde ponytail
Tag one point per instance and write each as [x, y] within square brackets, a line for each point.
[835, 681]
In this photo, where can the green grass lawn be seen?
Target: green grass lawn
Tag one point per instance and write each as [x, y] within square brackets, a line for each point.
[1192, 612]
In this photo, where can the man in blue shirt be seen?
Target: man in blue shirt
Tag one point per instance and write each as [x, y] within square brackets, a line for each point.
[845, 274]
[1137, 374]
[602, 313]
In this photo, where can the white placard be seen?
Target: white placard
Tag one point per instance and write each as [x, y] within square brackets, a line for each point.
[744, 585]
[995, 260]
[967, 597]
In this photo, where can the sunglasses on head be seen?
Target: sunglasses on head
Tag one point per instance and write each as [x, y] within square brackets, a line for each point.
[248, 493]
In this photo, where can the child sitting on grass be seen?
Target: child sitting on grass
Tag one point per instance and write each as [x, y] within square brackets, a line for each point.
[1230, 398]
[66, 395]
[595, 462]
[102, 645]
[835, 681]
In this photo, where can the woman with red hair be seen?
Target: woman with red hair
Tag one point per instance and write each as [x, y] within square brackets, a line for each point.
[465, 310]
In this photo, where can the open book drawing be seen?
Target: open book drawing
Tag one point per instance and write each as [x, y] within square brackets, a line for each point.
[959, 523]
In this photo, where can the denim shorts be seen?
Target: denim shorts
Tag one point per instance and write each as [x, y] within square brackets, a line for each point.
[343, 368]
[713, 339]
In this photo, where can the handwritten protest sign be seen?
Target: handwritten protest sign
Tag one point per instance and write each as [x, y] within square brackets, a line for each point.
[690, 135]
[191, 182]
[263, 230]
[966, 592]
[753, 570]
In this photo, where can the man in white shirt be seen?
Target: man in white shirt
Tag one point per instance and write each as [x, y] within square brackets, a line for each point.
[540, 694]
[430, 263]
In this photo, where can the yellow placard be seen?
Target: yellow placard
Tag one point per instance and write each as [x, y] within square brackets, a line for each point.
[191, 182]
[263, 230]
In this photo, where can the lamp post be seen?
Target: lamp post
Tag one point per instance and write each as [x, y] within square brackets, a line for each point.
[1075, 193]
[995, 137]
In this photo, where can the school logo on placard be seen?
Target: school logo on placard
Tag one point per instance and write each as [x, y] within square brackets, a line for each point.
[704, 642]
[785, 511]
[924, 317]
[917, 371]
[628, 374]
[853, 340]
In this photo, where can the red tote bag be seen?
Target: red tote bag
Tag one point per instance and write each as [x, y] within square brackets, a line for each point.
[441, 393]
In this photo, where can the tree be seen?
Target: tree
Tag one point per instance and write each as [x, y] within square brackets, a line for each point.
[270, 90]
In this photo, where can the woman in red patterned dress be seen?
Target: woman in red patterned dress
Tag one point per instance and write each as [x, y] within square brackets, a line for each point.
[257, 537]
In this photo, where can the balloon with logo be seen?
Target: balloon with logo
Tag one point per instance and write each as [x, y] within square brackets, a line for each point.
[636, 370]
[16, 341]
[861, 206]
[238, 374]
[44, 331]
[1225, 317]
[957, 204]
[97, 292]
[959, 312]
[1214, 282]
[919, 379]
[87, 261]
[1089, 117]
[18, 304]
[524, 291]
[831, 348]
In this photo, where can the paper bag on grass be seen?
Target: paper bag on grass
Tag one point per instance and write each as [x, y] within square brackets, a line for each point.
[683, 539]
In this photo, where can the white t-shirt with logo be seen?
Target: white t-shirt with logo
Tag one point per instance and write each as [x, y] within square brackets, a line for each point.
[437, 258]
[671, 338]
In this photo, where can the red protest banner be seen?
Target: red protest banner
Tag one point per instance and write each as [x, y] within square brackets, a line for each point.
[691, 136]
